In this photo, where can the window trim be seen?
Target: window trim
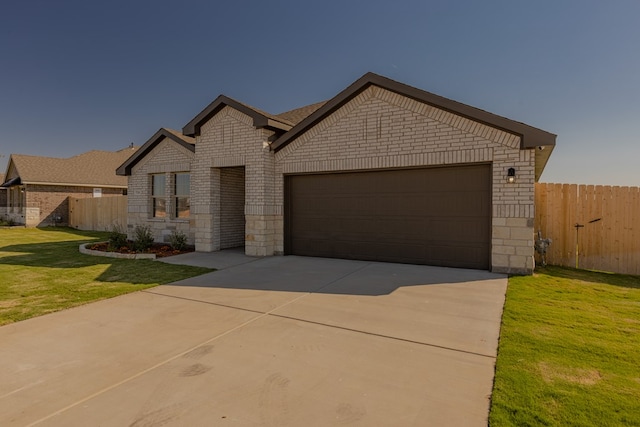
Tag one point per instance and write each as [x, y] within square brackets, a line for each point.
[176, 197]
[158, 197]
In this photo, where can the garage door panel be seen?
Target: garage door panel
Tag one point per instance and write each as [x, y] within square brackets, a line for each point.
[437, 216]
[461, 229]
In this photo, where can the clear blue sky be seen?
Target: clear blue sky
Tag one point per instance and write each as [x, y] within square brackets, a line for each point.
[82, 75]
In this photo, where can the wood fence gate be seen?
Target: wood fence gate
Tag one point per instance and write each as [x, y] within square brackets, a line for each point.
[98, 213]
[607, 236]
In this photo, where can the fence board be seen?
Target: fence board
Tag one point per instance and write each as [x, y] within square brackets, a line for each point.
[610, 244]
[99, 214]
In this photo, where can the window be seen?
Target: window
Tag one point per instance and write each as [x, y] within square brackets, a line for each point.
[158, 196]
[15, 197]
[181, 191]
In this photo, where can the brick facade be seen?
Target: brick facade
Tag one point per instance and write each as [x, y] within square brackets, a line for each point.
[379, 129]
[237, 184]
[48, 205]
[167, 158]
[40, 187]
[229, 140]
[53, 201]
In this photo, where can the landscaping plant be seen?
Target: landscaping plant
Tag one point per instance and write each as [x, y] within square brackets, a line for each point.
[42, 271]
[143, 238]
[117, 238]
[178, 240]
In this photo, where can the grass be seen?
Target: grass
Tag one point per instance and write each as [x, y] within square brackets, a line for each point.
[42, 271]
[569, 351]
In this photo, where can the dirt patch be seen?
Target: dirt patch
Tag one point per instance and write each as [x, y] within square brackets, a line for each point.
[551, 373]
[159, 249]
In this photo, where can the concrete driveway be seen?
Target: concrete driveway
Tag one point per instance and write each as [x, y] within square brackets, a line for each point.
[279, 341]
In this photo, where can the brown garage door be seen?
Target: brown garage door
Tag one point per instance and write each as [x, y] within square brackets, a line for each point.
[435, 216]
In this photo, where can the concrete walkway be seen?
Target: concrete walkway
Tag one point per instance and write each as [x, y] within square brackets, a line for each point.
[279, 341]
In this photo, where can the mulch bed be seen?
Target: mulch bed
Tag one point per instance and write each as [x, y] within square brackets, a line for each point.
[160, 249]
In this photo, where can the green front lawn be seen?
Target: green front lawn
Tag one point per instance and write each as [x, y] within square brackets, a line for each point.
[569, 351]
[42, 271]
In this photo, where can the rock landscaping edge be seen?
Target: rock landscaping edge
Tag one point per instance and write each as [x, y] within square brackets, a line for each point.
[84, 250]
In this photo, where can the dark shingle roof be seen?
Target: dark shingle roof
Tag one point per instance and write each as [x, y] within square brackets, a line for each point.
[299, 114]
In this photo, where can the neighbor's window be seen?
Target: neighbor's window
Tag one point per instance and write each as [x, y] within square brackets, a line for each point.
[15, 197]
[181, 192]
[158, 197]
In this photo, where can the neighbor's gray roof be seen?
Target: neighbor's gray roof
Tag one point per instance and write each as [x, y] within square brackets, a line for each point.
[94, 168]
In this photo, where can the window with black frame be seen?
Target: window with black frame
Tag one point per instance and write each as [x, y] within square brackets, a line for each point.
[182, 183]
[158, 196]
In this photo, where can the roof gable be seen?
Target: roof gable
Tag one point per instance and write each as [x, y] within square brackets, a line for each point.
[163, 133]
[530, 137]
[260, 118]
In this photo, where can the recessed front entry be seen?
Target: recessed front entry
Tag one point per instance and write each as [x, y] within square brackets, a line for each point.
[434, 216]
[232, 195]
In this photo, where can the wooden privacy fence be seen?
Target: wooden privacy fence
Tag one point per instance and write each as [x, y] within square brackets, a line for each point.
[608, 232]
[98, 213]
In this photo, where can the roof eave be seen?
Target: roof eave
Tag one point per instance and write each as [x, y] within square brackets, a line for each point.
[542, 155]
[126, 168]
[192, 128]
[530, 137]
[76, 184]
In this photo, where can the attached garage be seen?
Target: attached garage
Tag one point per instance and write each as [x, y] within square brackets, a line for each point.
[387, 172]
[382, 171]
[435, 216]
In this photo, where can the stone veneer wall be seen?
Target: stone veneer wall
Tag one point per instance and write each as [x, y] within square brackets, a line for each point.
[379, 129]
[229, 139]
[167, 158]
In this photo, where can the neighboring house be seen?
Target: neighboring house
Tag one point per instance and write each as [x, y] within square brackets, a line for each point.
[39, 187]
[3, 199]
[382, 171]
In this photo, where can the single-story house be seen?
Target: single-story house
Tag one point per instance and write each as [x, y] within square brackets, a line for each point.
[3, 199]
[382, 171]
[39, 187]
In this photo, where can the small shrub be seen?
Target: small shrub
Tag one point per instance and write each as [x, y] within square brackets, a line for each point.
[178, 240]
[117, 238]
[143, 238]
[4, 221]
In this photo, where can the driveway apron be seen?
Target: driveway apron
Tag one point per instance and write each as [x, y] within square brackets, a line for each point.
[278, 341]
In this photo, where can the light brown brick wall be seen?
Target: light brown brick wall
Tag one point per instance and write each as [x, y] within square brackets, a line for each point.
[229, 139]
[167, 158]
[232, 222]
[379, 129]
